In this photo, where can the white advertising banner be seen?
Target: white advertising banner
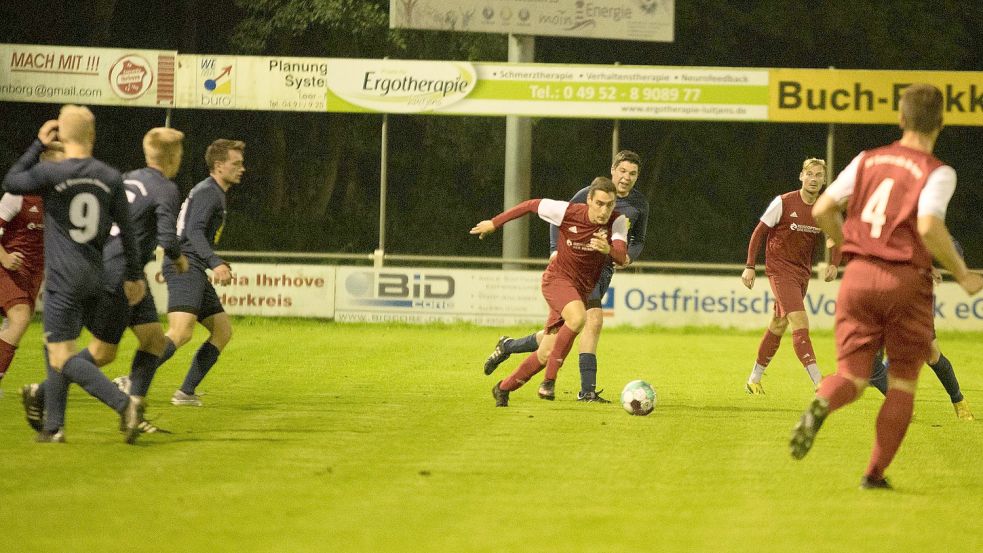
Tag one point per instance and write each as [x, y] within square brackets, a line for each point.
[493, 298]
[98, 76]
[648, 20]
[266, 289]
[502, 298]
[464, 88]
[686, 300]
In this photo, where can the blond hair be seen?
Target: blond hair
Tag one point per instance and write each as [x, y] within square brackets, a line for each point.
[814, 161]
[76, 124]
[161, 145]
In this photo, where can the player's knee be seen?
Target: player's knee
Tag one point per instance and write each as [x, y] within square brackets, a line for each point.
[221, 335]
[778, 325]
[179, 336]
[102, 355]
[153, 343]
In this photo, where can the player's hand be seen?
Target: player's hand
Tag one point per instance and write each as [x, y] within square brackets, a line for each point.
[134, 290]
[936, 276]
[13, 261]
[829, 274]
[48, 132]
[600, 242]
[625, 266]
[181, 264]
[747, 277]
[971, 283]
[553, 255]
[223, 274]
[483, 229]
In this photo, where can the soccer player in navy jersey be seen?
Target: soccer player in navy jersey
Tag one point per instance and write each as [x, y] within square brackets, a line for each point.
[83, 197]
[22, 260]
[153, 204]
[896, 198]
[589, 232]
[790, 235]
[633, 205]
[191, 296]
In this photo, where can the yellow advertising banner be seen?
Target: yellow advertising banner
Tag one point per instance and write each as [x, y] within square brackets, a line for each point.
[860, 96]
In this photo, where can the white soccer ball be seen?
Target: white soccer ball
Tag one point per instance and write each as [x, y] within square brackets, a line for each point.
[638, 398]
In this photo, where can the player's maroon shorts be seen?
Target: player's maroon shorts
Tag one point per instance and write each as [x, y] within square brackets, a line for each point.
[884, 304]
[17, 287]
[789, 293]
[558, 293]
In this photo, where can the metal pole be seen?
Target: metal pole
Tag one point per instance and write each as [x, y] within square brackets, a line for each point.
[830, 148]
[380, 252]
[518, 162]
[167, 118]
[616, 132]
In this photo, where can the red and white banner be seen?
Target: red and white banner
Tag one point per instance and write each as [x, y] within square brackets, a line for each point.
[94, 76]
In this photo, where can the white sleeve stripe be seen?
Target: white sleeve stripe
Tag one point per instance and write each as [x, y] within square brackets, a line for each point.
[552, 211]
[938, 190]
[773, 213]
[619, 229]
[10, 206]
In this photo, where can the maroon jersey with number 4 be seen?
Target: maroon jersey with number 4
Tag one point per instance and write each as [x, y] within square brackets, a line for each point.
[882, 214]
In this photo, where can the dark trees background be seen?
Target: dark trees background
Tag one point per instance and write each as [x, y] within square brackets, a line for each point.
[312, 179]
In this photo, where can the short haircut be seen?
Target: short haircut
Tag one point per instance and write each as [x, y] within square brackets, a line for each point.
[921, 108]
[218, 151]
[626, 155]
[814, 161]
[602, 184]
[161, 144]
[76, 124]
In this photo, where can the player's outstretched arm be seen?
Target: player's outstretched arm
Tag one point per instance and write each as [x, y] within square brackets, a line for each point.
[937, 239]
[488, 226]
[24, 177]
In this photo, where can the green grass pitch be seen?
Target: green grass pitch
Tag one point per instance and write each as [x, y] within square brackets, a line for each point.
[328, 437]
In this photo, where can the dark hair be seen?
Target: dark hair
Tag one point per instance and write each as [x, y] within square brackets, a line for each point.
[603, 184]
[921, 108]
[218, 151]
[626, 155]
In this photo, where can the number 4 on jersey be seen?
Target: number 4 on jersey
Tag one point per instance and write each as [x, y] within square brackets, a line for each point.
[873, 211]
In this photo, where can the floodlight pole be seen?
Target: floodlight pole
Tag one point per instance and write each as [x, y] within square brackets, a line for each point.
[830, 148]
[616, 132]
[167, 118]
[518, 161]
[380, 253]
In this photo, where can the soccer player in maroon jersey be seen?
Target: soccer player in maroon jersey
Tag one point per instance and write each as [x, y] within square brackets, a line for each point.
[588, 234]
[896, 198]
[790, 235]
[22, 258]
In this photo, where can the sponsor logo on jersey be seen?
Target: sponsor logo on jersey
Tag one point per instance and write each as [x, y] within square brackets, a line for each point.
[794, 214]
[572, 228]
[34, 209]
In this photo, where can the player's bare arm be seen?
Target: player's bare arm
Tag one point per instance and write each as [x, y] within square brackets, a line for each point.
[827, 213]
[936, 237]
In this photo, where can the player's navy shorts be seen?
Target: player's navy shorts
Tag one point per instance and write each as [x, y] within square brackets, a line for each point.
[66, 313]
[601, 288]
[191, 292]
[113, 315]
